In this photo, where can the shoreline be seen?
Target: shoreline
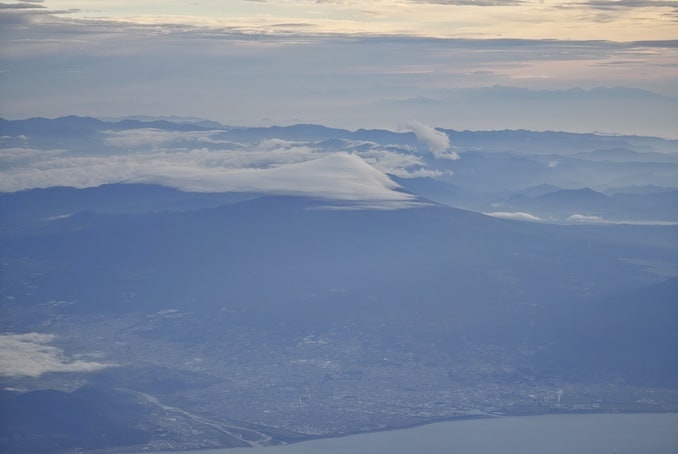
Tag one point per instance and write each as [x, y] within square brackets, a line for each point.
[468, 418]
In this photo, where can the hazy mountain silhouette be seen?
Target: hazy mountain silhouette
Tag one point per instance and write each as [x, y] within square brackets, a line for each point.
[275, 254]
[631, 334]
[563, 203]
[55, 421]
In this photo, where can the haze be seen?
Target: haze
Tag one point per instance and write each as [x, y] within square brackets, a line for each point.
[586, 66]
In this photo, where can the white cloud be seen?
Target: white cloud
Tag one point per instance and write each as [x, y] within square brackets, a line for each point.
[12, 154]
[152, 138]
[583, 218]
[268, 166]
[580, 218]
[292, 171]
[400, 164]
[338, 176]
[437, 142]
[29, 355]
[516, 216]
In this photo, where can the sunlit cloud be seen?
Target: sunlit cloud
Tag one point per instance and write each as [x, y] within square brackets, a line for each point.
[375, 65]
[339, 176]
[273, 166]
[437, 142]
[515, 216]
[620, 4]
[30, 355]
[440, 18]
[204, 160]
[470, 2]
[584, 218]
[20, 5]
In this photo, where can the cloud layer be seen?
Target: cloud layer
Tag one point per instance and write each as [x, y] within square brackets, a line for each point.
[440, 18]
[339, 176]
[204, 161]
[30, 355]
[345, 64]
[515, 216]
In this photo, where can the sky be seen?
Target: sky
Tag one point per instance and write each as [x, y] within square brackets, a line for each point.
[592, 65]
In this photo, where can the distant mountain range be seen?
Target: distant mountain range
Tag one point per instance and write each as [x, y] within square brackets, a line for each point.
[521, 141]
[498, 170]
[587, 202]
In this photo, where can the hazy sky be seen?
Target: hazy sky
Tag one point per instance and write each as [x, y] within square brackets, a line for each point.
[459, 64]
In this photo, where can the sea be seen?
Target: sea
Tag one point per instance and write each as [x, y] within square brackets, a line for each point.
[623, 433]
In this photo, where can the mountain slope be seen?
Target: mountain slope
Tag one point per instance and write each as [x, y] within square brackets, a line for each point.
[280, 318]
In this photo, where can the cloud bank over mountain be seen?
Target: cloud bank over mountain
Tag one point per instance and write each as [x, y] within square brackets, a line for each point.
[338, 176]
[506, 174]
[204, 161]
[335, 176]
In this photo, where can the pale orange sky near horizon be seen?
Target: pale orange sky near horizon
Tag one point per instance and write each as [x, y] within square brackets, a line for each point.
[590, 65]
[614, 20]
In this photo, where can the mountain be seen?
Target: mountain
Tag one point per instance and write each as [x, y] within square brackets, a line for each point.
[645, 189]
[626, 155]
[75, 151]
[71, 125]
[554, 142]
[538, 190]
[572, 198]
[274, 254]
[279, 318]
[562, 204]
[58, 422]
[39, 207]
[259, 286]
[442, 192]
[602, 338]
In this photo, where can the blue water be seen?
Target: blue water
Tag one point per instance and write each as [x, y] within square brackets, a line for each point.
[551, 434]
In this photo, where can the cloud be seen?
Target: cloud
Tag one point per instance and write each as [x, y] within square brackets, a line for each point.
[469, 2]
[152, 138]
[515, 216]
[584, 218]
[437, 142]
[205, 161]
[29, 355]
[338, 176]
[22, 5]
[617, 4]
[581, 218]
[11, 155]
[129, 67]
[272, 166]
[615, 12]
[395, 160]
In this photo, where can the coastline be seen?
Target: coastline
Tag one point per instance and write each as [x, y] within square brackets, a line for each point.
[466, 424]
